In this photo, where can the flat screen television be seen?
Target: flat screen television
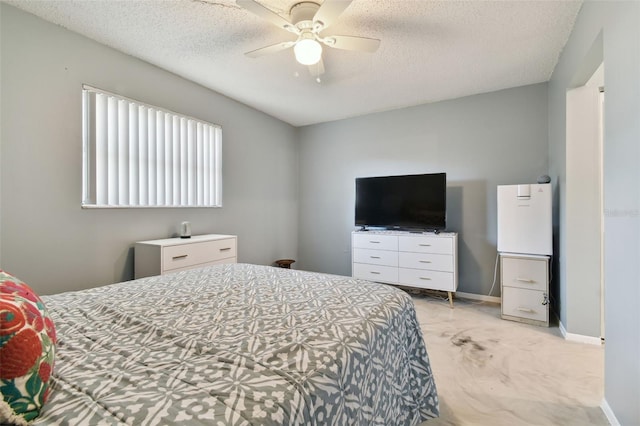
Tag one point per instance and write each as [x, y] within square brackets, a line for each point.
[408, 202]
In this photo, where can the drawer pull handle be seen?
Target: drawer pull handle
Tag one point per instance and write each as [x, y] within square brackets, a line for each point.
[425, 278]
[425, 245]
[375, 273]
[425, 261]
[374, 257]
[374, 242]
[525, 280]
[182, 256]
[225, 249]
[527, 310]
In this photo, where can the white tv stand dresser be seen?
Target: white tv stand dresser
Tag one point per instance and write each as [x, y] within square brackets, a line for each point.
[423, 260]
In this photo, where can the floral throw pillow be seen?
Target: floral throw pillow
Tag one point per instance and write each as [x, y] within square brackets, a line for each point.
[27, 351]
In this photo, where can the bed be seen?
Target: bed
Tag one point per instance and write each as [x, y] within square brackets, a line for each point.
[239, 345]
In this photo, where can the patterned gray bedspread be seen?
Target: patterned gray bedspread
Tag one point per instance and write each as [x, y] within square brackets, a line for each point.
[239, 345]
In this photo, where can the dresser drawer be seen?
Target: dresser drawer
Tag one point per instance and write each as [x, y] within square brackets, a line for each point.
[191, 254]
[423, 244]
[388, 274]
[523, 303]
[375, 241]
[433, 280]
[375, 257]
[436, 262]
[524, 273]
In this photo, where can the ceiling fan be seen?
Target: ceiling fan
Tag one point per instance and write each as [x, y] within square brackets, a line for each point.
[307, 20]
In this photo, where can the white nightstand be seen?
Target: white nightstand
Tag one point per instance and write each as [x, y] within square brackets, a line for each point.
[525, 288]
[158, 257]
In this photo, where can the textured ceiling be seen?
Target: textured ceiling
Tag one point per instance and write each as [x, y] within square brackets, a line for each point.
[430, 50]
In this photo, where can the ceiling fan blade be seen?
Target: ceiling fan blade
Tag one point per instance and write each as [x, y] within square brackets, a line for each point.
[329, 11]
[316, 70]
[266, 14]
[363, 44]
[270, 49]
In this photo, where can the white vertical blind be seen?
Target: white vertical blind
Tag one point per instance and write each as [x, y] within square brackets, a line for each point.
[123, 152]
[100, 151]
[191, 187]
[134, 164]
[175, 173]
[184, 189]
[137, 155]
[151, 161]
[143, 157]
[159, 190]
[199, 161]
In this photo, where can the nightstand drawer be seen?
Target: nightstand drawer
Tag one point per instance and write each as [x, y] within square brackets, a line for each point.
[202, 265]
[436, 262]
[375, 257]
[191, 254]
[426, 244]
[375, 241]
[387, 274]
[525, 273]
[523, 303]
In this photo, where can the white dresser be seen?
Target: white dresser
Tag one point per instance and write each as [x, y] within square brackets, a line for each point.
[158, 257]
[524, 283]
[423, 260]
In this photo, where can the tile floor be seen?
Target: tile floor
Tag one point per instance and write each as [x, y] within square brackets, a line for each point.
[494, 372]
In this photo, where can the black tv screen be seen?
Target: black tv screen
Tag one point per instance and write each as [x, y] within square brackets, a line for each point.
[409, 202]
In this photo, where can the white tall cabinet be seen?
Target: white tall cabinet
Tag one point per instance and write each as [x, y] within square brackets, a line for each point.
[525, 244]
[421, 260]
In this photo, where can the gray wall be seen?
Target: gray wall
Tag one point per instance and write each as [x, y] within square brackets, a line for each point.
[617, 23]
[480, 142]
[53, 244]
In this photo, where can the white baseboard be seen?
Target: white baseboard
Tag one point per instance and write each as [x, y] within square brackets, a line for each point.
[572, 337]
[609, 413]
[492, 299]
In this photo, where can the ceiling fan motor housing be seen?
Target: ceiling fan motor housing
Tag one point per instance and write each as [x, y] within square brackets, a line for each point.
[302, 14]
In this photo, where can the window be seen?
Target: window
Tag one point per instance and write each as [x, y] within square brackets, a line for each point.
[136, 155]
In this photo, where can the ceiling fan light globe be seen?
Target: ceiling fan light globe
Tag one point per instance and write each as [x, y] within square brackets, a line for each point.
[308, 51]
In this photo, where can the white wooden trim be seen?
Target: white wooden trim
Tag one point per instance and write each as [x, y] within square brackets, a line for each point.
[608, 412]
[580, 338]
